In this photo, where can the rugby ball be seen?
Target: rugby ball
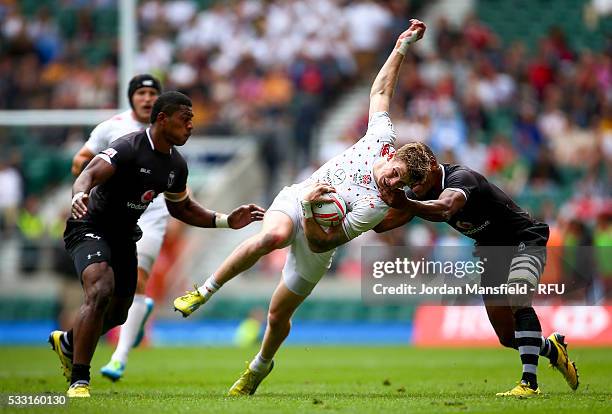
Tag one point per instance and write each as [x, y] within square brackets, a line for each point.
[329, 213]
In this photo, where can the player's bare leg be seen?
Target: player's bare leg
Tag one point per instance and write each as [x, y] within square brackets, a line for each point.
[98, 287]
[502, 321]
[275, 234]
[132, 330]
[282, 306]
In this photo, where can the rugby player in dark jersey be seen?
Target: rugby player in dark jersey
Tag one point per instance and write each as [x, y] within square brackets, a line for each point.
[481, 211]
[108, 198]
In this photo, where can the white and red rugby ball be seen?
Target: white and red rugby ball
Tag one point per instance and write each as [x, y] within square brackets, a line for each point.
[329, 213]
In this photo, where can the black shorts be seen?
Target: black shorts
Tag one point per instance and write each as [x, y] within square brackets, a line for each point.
[87, 244]
[517, 262]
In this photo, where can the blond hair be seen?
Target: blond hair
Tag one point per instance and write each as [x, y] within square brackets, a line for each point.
[419, 158]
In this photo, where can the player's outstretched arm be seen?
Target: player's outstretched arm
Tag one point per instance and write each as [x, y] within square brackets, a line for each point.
[97, 172]
[192, 213]
[319, 240]
[80, 160]
[384, 83]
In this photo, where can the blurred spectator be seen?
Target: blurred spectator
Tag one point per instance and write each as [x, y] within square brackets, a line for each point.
[602, 242]
[448, 131]
[473, 154]
[579, 269]
[527, 138]
[359, 15]
[32, 231]
[544, 172]
[10, 197]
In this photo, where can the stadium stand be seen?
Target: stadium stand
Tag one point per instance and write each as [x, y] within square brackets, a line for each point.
[534, 112]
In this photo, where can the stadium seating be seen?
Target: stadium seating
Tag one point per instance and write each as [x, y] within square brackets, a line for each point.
[529, 20]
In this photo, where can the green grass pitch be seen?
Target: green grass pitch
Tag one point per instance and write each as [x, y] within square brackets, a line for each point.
[314, 379]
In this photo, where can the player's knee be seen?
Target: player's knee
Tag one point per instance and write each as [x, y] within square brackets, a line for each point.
[271, 241]
[278, 320]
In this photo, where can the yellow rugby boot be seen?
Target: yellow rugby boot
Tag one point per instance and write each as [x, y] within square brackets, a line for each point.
[248, 382]
[563, 364]
[78, 390]
[54, 340]
[189, 302]
[522, 390]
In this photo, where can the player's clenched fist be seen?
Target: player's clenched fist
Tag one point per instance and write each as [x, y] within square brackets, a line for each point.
[414, 33]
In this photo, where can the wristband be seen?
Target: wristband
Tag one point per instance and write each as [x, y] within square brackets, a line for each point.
[221, 221]
[407, 41]
[306, 209]
[77, 196]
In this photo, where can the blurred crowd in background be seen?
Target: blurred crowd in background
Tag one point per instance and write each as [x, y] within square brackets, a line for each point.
[535, 117]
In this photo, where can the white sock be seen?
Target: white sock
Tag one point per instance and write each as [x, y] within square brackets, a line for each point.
[129, 330]
[260, 364]
[209, 287]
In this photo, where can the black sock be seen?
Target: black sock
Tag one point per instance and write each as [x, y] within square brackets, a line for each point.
[528, 336]
[80, 372]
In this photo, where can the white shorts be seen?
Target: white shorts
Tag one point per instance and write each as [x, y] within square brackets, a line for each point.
[303, 268]
[153, 223]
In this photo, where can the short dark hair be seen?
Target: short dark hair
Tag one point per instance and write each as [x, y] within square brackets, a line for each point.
[168, 103]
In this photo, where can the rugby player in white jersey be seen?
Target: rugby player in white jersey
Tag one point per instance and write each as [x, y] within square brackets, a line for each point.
[143, 91]
[358, 175]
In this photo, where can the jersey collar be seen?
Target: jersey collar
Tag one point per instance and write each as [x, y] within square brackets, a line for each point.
[149, 137]
[151, 141]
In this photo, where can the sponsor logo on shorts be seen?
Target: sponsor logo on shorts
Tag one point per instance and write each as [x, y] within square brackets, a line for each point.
[98, 254]
[93, 236]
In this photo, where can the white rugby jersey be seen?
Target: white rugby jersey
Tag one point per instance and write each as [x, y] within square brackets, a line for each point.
[351, 175]
[116, 127]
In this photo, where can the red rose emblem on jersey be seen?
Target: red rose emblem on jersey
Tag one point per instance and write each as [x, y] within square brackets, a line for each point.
[388, 151]
[148, 196]
[366, 179]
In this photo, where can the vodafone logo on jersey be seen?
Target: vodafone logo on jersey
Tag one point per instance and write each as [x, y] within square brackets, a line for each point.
[148, 196]
[470, 326]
